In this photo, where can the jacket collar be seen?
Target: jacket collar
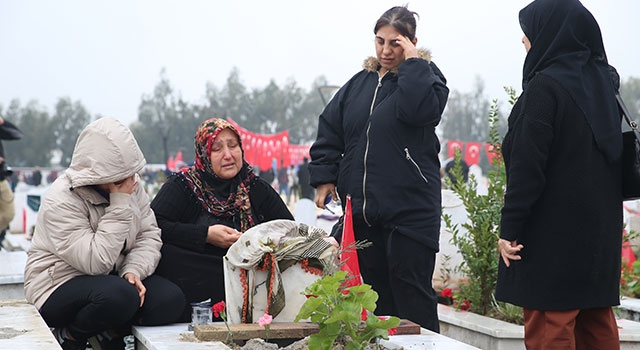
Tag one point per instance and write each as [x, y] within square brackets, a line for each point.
[371, 64]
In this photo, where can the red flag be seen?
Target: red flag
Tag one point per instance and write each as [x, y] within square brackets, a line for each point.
[491, 155]
[349, 256]
[452, 145]
[628, 256]
[472, 155]
[178, 157]
[171, 164]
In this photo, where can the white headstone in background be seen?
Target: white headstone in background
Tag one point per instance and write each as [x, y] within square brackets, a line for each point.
[304, 211]
[451, 205]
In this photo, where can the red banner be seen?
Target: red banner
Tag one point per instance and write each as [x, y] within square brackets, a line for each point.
[262, 150]
[490, 153]
[297, 153]
[452, 145]
[472, 153]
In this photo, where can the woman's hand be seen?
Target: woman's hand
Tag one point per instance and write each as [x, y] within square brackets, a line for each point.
[127, 185]
[509, 250]
[222, 236]
[332, 241]
[322, 192]
[410, 49]
[136, 282]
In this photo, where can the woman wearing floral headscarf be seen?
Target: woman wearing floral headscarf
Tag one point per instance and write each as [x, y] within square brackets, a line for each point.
[202, 210]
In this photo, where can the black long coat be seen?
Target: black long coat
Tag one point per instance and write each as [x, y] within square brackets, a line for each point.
[563, 203]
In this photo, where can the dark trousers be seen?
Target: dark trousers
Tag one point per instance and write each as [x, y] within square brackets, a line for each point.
[88, 305]
[571, 329]
[400, 269]
[199, 275]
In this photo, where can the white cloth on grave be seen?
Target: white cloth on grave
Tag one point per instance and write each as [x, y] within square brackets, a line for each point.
[250, 291]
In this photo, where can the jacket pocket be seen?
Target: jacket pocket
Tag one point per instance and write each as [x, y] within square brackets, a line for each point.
[415, 165]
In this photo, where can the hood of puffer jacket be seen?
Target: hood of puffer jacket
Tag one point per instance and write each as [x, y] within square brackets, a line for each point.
[371, 64]
[105, 151]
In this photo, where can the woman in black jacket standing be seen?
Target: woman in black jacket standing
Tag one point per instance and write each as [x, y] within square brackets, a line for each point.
[376, 142]
[561, 226]
[203, 210]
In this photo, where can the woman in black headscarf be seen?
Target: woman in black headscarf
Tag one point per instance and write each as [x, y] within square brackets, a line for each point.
[202, 210]
[561, 230]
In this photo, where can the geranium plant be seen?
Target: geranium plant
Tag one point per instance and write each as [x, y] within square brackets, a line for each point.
[342, 314]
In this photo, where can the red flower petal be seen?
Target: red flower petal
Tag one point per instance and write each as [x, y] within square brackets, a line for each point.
[217, 308]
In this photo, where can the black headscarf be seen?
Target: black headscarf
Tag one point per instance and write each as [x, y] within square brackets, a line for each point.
[566, 44]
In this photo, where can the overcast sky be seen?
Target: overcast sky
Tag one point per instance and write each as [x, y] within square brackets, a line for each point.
[107, 54]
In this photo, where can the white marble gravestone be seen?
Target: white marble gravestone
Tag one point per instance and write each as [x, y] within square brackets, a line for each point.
[304, 211]
[451, 205]
[248, 282]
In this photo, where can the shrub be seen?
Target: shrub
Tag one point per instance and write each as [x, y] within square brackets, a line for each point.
[478, 245]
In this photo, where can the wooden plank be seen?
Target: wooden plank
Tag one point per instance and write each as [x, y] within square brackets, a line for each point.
[407, 327]
[278, 330]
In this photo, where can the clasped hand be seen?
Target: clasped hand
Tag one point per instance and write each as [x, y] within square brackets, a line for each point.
[222, 236]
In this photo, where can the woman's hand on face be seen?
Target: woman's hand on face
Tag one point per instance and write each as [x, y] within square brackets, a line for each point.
[410, 49]
[322, 192]
[509, 250]
[222, 236]
[127, 185]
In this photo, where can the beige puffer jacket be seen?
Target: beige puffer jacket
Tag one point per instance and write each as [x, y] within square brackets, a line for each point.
[78, 231]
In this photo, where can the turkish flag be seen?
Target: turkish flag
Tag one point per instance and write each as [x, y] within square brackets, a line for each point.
[348, 253]
[491, 155]
[472, 154]
[452, 145]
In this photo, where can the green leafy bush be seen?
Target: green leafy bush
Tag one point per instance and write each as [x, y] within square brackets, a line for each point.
[478, 245]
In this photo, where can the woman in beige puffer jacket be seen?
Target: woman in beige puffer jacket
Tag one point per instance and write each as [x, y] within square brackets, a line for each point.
[96, 244]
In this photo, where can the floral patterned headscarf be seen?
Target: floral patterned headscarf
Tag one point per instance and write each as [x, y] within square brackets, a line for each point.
[206, 184]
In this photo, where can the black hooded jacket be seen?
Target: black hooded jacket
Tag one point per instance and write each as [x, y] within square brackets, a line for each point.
[376, 141]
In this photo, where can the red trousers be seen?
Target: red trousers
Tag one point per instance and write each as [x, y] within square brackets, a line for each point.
[572, 329]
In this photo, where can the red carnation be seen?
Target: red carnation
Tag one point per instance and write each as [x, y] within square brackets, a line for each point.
[217, 308]
[447, 293]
